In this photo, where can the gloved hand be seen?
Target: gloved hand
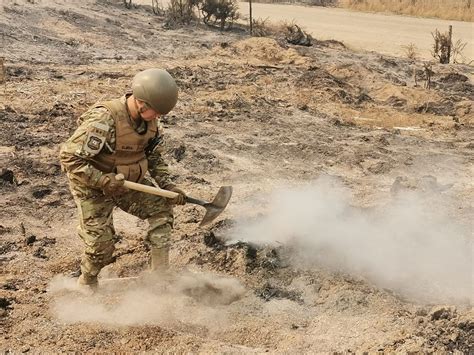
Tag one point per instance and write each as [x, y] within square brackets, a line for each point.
[181, 198]
[112, 184]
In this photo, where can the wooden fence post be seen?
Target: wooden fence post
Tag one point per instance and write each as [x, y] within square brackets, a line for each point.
[251, 21]
[450, 42]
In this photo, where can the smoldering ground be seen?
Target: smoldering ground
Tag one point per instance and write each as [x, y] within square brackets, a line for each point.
[412, 245]
[196, 299]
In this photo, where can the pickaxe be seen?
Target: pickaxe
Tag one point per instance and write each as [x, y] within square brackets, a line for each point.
[213, 209]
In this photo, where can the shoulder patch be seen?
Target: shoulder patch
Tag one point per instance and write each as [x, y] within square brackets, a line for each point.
[93, 143]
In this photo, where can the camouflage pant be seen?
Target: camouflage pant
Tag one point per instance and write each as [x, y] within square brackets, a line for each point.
[96, 227]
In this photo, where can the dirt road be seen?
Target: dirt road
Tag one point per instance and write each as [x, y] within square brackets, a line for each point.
[363, 31]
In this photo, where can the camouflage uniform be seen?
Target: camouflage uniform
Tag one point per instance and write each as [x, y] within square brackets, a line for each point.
[82, 157]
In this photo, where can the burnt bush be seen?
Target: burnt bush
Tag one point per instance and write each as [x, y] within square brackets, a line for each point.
[180, 12]
[220, 13]
[441, 47]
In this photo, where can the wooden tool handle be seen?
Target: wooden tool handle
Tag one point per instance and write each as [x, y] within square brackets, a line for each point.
[149, 189]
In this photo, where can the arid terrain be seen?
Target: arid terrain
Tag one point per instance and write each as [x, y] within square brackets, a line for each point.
[350, 225]
[361, 31]
[378, 32]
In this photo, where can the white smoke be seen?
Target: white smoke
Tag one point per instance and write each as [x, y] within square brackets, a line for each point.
[410, 246]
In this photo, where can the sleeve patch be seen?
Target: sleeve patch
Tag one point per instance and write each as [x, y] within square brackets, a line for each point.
[93, 143]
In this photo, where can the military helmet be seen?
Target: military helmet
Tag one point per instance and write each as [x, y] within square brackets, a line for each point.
[157, 88]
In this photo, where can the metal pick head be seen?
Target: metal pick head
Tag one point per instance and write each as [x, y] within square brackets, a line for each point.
[215, 208]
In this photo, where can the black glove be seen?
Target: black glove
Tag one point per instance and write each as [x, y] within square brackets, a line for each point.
[112, 184]
[181, 198]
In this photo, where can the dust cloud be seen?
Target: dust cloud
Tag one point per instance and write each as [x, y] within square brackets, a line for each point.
[196, 299]
[410, 245]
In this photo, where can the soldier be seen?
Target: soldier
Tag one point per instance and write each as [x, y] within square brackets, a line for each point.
[115, 138]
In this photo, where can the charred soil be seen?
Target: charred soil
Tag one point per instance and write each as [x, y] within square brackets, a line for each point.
[254, 113]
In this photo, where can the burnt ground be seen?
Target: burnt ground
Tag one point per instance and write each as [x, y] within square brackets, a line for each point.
[254, 113]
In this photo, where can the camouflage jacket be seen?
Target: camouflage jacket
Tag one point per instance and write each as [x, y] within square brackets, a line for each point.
[75, 155]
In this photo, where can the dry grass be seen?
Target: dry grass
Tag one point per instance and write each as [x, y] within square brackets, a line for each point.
[462, 10]
[290, 31]
[267, 28]
[411, 52]
[325, 3]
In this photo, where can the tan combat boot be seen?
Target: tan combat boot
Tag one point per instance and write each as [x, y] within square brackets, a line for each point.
[87, 283]
[160, 259]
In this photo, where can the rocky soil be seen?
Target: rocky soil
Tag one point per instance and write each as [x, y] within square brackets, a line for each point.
[254, 113]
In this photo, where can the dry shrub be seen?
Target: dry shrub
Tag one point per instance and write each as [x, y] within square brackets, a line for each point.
[266, 28]
[219, 12]
[411, 51]
[451, 10]
[428, 67]
[157, 7]
[457, 49]
[445, 50]
[180, 12]
[261, 28]
[441, 47]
